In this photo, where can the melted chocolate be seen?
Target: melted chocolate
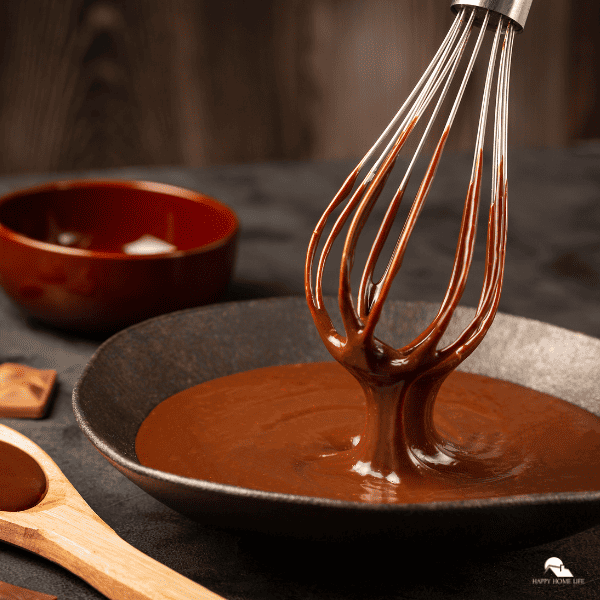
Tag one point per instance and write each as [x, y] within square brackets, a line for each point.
[299, 429]
[400, 385]
[23, 481]
[398, 425]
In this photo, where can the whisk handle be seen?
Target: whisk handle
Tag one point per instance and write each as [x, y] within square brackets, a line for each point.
[516, 10]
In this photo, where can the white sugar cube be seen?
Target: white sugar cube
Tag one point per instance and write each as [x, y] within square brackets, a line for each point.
[148, 244]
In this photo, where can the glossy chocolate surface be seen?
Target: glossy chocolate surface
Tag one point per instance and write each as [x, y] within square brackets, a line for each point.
[23, 481]
[121, 385]
[297, 429]
[401, 383]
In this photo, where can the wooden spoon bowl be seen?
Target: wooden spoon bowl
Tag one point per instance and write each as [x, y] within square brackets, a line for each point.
[55, 522]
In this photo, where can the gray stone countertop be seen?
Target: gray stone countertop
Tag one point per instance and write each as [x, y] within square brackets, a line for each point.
[552, 274]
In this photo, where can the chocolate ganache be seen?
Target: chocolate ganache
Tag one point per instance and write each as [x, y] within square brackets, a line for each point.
[23, 481]
[382, 424]
[299, 429]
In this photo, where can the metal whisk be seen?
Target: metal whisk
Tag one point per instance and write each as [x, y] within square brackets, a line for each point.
[401, 383]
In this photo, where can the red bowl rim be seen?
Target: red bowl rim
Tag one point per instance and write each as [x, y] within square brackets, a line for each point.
[149, 186]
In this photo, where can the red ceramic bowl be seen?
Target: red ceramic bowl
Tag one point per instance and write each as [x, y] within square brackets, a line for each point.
[96, 256]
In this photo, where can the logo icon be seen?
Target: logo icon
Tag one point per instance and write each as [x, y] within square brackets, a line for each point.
[555, 573]
[557, 567]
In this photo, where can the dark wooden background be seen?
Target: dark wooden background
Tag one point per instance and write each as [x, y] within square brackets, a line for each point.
[101, 83]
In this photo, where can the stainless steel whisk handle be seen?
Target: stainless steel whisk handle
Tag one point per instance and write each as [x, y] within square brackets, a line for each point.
[516, 10]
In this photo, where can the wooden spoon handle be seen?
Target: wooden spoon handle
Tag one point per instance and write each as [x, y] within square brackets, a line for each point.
[86, 546]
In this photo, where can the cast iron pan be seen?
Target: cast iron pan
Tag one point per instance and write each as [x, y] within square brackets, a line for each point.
[144, 364]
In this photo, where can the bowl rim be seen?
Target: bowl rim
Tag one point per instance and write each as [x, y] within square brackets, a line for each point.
[126, 184]
[123, 463]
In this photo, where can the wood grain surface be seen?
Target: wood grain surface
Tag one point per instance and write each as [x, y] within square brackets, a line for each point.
[14, 592]
[99, 83]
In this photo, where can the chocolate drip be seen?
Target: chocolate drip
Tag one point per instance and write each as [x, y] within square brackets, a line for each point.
[400, 385]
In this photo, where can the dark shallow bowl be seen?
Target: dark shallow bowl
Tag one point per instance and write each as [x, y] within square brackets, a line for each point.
[97, 256]
[138, 367]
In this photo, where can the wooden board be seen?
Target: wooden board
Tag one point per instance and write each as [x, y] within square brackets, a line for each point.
[104, 84]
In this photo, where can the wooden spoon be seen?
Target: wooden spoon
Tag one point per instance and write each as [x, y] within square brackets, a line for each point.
[43, 513]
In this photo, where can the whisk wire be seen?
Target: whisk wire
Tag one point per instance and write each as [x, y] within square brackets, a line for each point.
[445, 62]
[437, 79]
[372, 295]
[496, 245]
[424, 91]
[401, 384]
[369, 292]
[466, 241]
[425, 78]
